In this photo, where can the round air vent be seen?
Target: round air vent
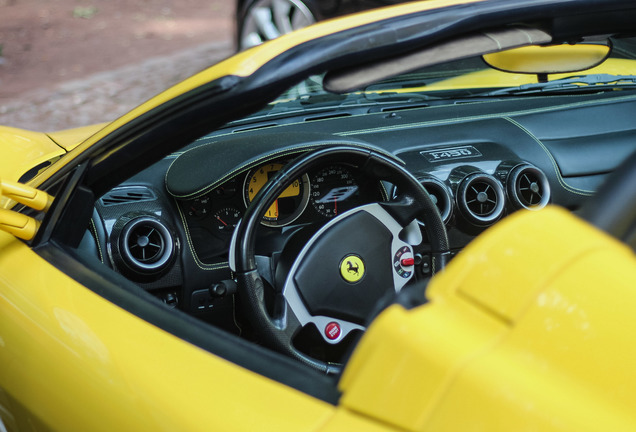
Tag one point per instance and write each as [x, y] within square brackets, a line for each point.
[441, 196]
[146, 245]
[480, 198]
[528, 187]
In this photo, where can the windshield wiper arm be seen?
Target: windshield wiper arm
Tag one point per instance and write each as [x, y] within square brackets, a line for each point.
[573, 82]
[321, 102]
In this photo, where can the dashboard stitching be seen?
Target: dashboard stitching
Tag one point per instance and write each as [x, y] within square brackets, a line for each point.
[239, 170]
[197, 261]
[554, 164]
[383, 192]
[96, 236]
[165, 178]
[268, 157]
[478, 117]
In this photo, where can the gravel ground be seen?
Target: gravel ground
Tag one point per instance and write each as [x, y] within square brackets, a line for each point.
[70, 63]
[104, 96]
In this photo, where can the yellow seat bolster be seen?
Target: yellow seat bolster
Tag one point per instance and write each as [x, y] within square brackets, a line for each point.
[566, 364]
[529, 328]
[504, 269]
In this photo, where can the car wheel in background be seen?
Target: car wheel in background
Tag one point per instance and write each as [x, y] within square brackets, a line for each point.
[263, 20]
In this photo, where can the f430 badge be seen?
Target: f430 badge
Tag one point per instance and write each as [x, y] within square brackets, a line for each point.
[450, 153]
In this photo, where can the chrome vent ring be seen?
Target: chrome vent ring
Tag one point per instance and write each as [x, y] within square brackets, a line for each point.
[441, 196]
[528, 187]
[146, 245]
[480, 197]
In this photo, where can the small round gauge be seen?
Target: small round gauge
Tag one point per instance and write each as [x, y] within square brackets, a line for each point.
[333, 191]
[227, 189]
[199, 207]
[227, 219]
[288, 206]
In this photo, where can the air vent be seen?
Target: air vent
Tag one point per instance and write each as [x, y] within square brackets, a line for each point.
[441, 196]
[327, 117]
[250, 128]
[410, 106]
[480, 197]
[528, 187]
[127, 195]
[146, 245]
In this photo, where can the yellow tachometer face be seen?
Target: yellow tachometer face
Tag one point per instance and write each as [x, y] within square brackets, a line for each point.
[289, 204]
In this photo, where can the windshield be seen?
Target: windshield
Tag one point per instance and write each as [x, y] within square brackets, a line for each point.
[467, 77]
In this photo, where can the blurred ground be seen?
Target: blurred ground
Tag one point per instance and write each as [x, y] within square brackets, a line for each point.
[69, 63]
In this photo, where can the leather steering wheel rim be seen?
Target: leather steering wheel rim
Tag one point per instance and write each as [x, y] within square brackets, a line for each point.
[277, 332]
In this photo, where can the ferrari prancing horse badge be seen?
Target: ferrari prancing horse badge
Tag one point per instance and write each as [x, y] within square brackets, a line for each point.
[352, 268]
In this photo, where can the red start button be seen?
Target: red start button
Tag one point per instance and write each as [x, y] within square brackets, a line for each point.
[407, 262]
[332, 330]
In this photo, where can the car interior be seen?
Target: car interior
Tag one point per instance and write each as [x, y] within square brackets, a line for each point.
[243, 240]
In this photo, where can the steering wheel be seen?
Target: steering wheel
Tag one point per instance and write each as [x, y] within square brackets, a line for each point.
[340, 273]
[613, 208]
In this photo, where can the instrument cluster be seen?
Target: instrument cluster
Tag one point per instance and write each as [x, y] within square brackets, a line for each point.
[313, 198]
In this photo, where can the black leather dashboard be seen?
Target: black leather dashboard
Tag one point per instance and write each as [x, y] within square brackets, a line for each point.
[480, 159]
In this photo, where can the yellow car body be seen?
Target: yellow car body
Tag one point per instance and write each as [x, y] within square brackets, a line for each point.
[528, 328]
[516, 362]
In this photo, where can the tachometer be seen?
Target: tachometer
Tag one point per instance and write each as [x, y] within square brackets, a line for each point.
[333, 190]
[289, 205]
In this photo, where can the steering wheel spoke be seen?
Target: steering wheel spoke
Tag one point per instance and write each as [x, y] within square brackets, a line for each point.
[333, 330]
[404, 209]
[337, 277]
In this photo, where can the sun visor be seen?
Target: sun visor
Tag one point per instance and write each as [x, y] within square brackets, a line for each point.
[350, 79]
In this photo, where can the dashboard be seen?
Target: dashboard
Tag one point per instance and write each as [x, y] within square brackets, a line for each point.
[314, 198]
[169, 227]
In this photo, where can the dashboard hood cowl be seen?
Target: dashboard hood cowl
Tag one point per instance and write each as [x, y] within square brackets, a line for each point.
[209, 164]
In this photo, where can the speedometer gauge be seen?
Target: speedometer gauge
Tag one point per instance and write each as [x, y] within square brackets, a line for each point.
[333, 191]
[288, 206]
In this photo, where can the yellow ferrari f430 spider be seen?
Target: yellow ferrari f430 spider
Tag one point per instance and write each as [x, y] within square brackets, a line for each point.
[415, 218]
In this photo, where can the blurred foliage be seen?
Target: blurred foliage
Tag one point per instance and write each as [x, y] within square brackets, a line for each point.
[85, 12]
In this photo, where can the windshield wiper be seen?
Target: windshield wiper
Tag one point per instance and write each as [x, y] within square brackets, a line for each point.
[361, 98]
[325, 102]
[579, 82]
